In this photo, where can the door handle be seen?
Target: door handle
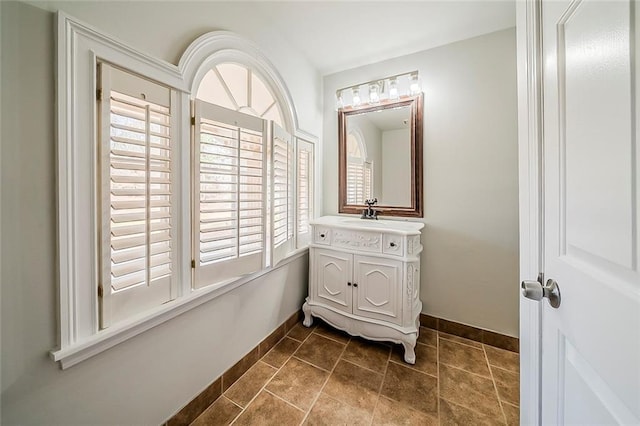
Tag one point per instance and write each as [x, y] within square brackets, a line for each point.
[534, 290]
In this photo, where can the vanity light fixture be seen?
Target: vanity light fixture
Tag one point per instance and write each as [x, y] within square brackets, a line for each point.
[373, 92]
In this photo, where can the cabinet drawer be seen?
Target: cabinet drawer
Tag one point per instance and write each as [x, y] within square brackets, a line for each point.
[321, 235]
[393, 244]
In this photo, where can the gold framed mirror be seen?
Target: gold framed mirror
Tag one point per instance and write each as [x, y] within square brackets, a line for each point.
[380, 156]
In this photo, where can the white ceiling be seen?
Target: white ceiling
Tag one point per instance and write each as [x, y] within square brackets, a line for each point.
[336, 35]
[339, 35]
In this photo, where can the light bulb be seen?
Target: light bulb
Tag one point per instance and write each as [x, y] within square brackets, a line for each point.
[339, 100]
[414, 87]
[374, 96]
[356, 97]
[393, 89]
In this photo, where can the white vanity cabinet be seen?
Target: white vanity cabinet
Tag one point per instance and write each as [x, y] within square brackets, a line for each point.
[364, 278]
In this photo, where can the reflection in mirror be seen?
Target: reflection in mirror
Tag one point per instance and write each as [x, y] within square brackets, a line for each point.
[380, 157]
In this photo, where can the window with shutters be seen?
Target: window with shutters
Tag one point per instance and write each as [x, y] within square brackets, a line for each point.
[305, 196]
[359, 171]
[136, 185]
[229, 193]
[151, 209]
[237, 211]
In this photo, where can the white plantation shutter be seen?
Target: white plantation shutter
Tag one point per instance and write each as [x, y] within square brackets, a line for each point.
[137, 240]
[304, 184]
[359, 181]
[281, 194]
[367, 179]
[355, 182]
[229, 194]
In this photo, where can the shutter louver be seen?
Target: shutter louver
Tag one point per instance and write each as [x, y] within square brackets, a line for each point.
[136, 145]
[230, 195]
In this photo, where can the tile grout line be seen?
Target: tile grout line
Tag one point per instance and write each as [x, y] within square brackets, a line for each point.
[271, 378]
[504, 369]
[447, 338]
[414, 371]
[232, 401]
[495, 387]
[330, 337]
[361, 366]
[411, 366]
[315, 400]
[439, 375]
[282, 399]
[473, 374]
[311, 364]
[449, 335]
[466, 371]
[384, 377]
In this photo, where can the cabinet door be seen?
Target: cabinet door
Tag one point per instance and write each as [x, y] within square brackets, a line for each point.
[333, 270]
[378, 293]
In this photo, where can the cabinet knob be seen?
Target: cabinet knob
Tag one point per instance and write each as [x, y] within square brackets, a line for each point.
[349, 284]
[392, 244]
[355, 285]
[321, 235]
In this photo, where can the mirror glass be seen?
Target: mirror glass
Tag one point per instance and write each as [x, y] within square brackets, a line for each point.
[378, 152]
[379, 157]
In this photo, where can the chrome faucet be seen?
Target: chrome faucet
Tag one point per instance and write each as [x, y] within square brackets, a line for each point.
[370, 213]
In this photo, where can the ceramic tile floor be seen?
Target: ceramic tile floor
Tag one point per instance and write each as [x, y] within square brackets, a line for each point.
[321, 376]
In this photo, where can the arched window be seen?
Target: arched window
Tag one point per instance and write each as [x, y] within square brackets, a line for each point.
[241, 89]
[359, 170]
[244, 195]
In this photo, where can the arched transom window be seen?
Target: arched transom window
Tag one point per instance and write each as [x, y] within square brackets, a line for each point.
[239, 88]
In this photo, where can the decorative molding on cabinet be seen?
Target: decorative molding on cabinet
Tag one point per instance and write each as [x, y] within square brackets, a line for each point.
[356, 240]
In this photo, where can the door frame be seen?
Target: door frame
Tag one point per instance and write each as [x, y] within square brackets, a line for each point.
[531, 200]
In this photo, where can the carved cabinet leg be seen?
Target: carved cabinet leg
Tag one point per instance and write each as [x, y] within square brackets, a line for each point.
[308, 319]
[409, 349]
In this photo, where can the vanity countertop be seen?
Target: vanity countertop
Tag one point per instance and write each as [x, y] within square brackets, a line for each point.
[352, 222]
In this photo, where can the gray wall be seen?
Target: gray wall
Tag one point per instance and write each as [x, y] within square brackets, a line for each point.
[396, 173]
[470, 262]
[148, 378]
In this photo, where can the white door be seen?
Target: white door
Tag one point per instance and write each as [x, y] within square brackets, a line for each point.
[333, 278]
[591, 342]
[377, 288]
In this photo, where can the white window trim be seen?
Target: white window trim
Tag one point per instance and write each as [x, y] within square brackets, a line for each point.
[78, 48]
